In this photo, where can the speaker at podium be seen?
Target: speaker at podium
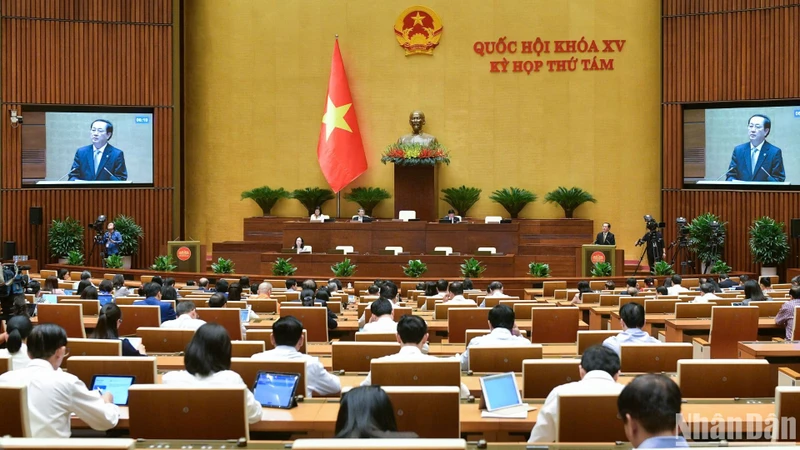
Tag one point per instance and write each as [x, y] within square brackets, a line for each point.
[591, 254]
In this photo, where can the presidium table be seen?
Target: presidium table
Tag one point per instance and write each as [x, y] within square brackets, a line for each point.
[556, 242]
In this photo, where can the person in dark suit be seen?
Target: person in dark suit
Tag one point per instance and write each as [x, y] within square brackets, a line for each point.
[725, 282]
[152, 293]
[451, 217]
[361, 217]
[757, 160]
[100, 161]
[605, 237]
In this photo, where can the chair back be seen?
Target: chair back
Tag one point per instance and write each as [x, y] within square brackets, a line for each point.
[248, 369]
[431, 412]
[660, 306]
[90, 307]
[16, 422]
[92, 347]
[590, 297]
[609, 299]
[264, 335]
[588, 338]
[499, 358]
[406, 215]
[554, 325]
[653, 357]
[729, 325]
[540, 376]
[229, 318]
[246, 349]
[379, 444]
[67, 316]
[522, 309]
[135, 316]
[549, 287]
[597, 285]
[459, 320]
[470, 334]
[313, 318]
[442, 309]
[588, 418]
[446, 372]
[446, 250]
[725, 378]
[787, 413]
[625, 299]
[375, 337]
[154, 407]
[693, 310]
[5, 364]
[263, 306]
[492, 219]
[356, 356]
[795, 328]
[86, 367]
[164, 340]
[768, 309]
[44, 273]
[123, 301]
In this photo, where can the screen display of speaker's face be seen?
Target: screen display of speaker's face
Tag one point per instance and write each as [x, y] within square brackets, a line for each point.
[746, 147]
[85, 148]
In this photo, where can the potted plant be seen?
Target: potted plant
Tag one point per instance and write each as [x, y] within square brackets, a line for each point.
[569, 199]
[720, 266]
[416, 154]
[706, 238]
[539, 270]
[461, 198]
[75, 258]
[266, 197]
[65, 236]
[311, 197]
[367, 197]
[415, 268]
[223, 266]
[343, 269]
[768, 244]
[114, 262]
[662, 268]
[164, 263]
[131, 234]
[472, 268]
[513, 199]
[601, 269]
[283, 268]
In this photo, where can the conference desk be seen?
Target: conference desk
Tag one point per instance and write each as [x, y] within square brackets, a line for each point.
[778, 354]
[678, 330]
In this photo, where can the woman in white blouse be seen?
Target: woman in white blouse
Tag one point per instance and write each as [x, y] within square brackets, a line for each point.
[317, 216]
[300, 246]
[18, 328]
[208, 362]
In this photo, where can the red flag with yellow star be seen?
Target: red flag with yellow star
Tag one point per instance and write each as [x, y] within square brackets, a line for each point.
[340, 150]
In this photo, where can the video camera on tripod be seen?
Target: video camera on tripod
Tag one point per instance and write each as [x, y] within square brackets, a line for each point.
[12, 284]
[99, 228]
[652, 227]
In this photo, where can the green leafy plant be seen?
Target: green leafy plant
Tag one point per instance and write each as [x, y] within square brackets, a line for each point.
[416, 154]
[472, 268]
[415, 268]
[164, 263]
[704, 242]
[461, 198]
[223, 266]
[662, 268]
[513, 199]
[65, 236]
[266, 197]
[721, 267]
[344, 269]
[539, 270]
[569, 199]
[131, 234]
[75, 258]
[768, 242]
[114, 262]
[283, 268]
[311, 197]
[601, 269]
[367, 197]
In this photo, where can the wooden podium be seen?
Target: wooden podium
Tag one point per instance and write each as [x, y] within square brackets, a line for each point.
[186, 255]
[417, 188]
[608, 253]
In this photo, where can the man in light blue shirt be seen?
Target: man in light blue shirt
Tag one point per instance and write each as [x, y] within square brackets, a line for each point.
[649, 407]
[631, 315]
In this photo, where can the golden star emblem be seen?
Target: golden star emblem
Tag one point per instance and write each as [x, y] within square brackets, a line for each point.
[334, 118]
[418, 19]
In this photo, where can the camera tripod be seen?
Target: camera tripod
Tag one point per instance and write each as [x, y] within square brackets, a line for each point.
[652, 245]
[683, 250]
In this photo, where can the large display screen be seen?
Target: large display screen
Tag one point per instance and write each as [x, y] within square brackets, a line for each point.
[87, 148]
[748, 147]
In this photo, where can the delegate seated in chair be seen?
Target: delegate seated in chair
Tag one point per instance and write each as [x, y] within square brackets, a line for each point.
[361, 216]
[495, 289]
[152, 293]
[455, 296]
[387, 291]
[599, 372]
[437, 289]
[412, 334]
[452, 217]
[785, 316]
[649, 406]
[287, 338]
[631, 317]
[187, 318]
[503, 332]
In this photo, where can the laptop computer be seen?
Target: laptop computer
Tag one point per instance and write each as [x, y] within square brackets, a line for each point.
[244, 315]
[501, 395]
[276, 389]
[49, 298]
[105, 299]
[117, 385]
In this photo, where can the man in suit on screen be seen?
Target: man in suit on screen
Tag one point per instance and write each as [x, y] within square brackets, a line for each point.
[757, 160]
[99, 161]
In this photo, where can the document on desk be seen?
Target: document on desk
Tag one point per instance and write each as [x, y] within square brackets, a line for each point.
[516, 412]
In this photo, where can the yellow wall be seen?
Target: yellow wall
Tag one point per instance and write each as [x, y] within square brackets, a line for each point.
[257, 73]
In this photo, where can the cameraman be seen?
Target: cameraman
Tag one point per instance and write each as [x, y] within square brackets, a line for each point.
[654, 241]
[112, 240]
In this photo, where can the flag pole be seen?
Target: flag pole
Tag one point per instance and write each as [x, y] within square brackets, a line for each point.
[338, 194]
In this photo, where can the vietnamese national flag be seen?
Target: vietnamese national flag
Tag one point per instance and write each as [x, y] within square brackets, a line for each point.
[340, 150]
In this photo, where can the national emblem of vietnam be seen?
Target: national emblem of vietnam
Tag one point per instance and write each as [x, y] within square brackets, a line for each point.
[418, 30]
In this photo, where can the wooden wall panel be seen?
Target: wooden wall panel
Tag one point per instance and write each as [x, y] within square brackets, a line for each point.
[87, 52]
[726, 51]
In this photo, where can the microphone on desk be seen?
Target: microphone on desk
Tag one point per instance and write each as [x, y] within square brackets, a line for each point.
[769, 177]
[112, 175]
[724, 175]
[65, 176]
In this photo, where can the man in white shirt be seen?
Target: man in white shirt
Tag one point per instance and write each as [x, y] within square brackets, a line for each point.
[503, 332]
[441, 289]
[495, 289]
[54, 395]
[599, 372]
[708, 294]
[187, 318]
[388, 291]
[412, 334]
[676, 287]
[381, 320]
[649, 406]
[631, 317]
[455, 296]
[287, 337]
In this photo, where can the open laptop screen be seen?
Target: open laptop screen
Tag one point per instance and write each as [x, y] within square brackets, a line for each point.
[117, 385]
[275, 389]
[500, 391]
